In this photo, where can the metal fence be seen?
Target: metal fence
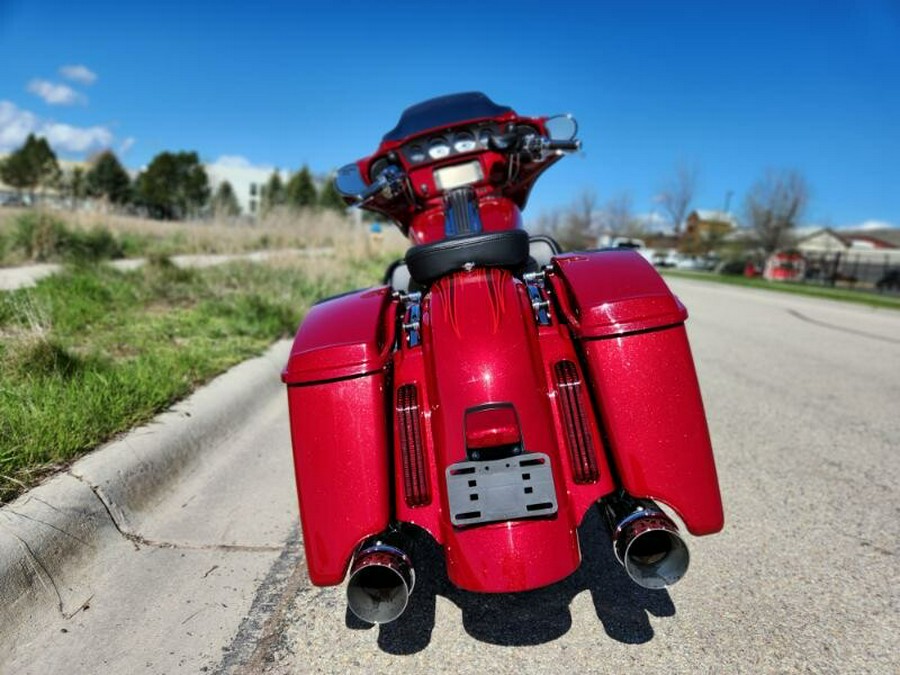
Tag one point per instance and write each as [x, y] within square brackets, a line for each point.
[862, 270]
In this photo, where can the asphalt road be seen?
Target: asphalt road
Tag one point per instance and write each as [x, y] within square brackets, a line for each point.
[803, 398]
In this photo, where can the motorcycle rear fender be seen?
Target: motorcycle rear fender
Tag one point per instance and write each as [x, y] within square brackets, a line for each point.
[631, 330]
[339, 426]
[480, 347]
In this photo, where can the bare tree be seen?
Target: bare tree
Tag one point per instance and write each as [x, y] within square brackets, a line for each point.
[677, 193]
[583, 211]
[617, 218]
[774, 205]
[547, 223]
[573, 228]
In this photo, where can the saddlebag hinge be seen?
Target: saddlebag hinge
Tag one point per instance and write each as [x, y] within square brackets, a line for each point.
[412, 315]
[537, 294]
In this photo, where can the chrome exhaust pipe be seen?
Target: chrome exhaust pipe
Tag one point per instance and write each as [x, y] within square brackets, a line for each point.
[646, 541]
[381, 579]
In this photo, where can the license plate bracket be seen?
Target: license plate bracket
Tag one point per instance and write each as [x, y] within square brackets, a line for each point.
[502, 489]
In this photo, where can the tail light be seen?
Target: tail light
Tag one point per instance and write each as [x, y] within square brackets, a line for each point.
[578, 434]
[412, 450]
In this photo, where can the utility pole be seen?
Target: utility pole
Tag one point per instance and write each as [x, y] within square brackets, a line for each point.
[728, 199]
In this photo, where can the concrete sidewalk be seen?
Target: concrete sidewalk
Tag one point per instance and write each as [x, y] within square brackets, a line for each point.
[26, 276]
[93, 561]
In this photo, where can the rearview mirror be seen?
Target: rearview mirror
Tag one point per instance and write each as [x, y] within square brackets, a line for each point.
[349, 182]
[561, 127]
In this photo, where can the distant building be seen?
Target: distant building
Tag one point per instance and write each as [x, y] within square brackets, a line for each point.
[702, 221]
[704, 229]
[879, 245]
[827, 240]
[246, 181]
[51, 195]
[862, 256]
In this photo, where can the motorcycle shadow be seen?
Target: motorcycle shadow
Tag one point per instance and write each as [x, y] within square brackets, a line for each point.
[531, 617]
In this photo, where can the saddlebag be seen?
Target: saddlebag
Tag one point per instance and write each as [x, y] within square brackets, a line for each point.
[631, 330]
[336, 381]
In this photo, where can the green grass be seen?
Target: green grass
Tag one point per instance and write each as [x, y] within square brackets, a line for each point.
[36, 236]
[92, 352]
[840, 294]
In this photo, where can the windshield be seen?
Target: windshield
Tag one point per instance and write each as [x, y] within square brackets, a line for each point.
[444, 110]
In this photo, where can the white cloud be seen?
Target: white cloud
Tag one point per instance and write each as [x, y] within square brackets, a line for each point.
[870, 225]
[654, 222]
[79, 73]
[126, 145]
[76, 139]
[16, 124]
[234, 161]
[241, 162]
[55, 94]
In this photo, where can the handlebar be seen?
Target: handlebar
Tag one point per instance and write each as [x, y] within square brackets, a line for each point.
[540, 147]
[536, 146]
[531, 147]
[390, 179]
[377, 186]
[564, 146]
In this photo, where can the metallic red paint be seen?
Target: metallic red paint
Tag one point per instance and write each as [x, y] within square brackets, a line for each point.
[337, 402]
[500, 208]
[653, 414]
[641, 369]
[611, 293]
[607, 390]
[342, 337]
[481, 346]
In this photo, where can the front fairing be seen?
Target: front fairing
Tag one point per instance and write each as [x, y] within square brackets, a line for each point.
[502, 176]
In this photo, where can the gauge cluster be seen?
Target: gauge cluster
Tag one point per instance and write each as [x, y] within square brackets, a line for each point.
[448, 143]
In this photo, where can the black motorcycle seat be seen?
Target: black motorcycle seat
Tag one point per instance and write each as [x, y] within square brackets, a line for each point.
[429, 262]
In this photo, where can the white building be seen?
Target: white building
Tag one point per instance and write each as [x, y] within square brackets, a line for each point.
[45, 194]
[247, 182]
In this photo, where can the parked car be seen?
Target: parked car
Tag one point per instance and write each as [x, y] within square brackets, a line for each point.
[696, 262]
[665, 258]
[890, 281]
[13, 200]
[785, 266]
[637, 245]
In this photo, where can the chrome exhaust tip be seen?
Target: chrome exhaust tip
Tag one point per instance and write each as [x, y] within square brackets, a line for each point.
[646, 542]
[381, 579]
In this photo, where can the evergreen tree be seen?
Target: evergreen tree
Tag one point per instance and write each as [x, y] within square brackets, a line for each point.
[175, 185]
[225, 202]
[32, 165]
[273, 193]
[301, 191]
[107, 178]
[330, 198]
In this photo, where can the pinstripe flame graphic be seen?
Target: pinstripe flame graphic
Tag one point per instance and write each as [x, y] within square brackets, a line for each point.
[495, 278]
[447, 292]
[454, 299]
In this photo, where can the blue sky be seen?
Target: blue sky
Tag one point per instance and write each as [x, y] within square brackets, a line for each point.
[733, 88]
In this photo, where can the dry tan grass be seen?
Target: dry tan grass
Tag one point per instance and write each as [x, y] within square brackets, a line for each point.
[282, 229]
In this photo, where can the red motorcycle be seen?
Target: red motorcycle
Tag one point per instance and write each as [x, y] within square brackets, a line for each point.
[494, 389]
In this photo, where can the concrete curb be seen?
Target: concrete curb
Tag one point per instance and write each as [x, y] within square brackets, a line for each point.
[59, 526]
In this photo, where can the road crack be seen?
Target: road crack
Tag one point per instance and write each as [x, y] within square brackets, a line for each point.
[138, 540]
